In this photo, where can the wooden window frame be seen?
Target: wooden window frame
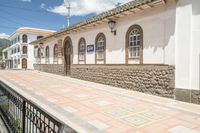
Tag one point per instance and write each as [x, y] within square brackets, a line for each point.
[140, 57]
[79, 43]
[96, 40]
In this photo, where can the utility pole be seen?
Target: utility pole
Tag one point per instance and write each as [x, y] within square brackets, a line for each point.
[68, 6]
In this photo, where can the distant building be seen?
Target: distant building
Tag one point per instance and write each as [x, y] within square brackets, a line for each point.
[20, 55]
[6, 54]
[150, 46]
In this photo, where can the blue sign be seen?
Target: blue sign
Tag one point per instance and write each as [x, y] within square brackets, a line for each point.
[90, 48]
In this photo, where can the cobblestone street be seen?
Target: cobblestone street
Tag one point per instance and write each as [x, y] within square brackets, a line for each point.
[92, 107]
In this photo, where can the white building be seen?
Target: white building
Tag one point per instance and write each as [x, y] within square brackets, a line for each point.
[155, 49]
[6, 53]
[20, 55]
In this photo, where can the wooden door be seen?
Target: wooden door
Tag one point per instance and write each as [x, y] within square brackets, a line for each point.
[24, 63]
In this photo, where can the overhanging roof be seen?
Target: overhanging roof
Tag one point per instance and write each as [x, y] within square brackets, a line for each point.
[31, 30]
[128, 8]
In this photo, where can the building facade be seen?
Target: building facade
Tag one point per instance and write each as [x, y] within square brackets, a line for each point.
[6, 54]
[20, 55]
[145, 45]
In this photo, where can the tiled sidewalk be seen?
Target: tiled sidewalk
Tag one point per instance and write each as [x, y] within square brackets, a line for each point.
[92, 107]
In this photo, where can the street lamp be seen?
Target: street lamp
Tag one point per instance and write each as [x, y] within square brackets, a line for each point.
[112, 25]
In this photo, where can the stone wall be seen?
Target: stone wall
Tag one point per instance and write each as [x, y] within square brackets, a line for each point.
[50, 68]
[153, 79]
[187, 95]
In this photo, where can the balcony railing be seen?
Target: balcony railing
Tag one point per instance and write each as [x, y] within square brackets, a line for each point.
[22, 116]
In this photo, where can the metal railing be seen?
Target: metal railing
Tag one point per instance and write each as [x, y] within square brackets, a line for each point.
[22, 116]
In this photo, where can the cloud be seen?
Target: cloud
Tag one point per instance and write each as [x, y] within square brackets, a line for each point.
[25, 0]
[85, 7]
[3, 35]
[42, 6]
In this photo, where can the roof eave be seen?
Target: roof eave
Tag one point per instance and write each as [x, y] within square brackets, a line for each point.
[103, 17]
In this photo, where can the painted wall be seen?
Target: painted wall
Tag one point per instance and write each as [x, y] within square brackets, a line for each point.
[51, 43]
[158, 31]
[171, 36]
[187, 44]
[30, 49]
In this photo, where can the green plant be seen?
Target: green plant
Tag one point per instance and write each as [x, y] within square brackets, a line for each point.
[4, 107]
[16, 124]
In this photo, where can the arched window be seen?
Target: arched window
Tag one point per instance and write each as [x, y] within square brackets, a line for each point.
[47, 54]
[24, 49]
[24, 38]
[81, 50]
[55, 54]
[134, 44]
[100, 48]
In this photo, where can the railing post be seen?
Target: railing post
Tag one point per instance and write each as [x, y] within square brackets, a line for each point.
[61, 129]
[23, 116]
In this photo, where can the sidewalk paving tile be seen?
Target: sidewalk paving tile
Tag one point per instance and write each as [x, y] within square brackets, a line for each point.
[98, 108]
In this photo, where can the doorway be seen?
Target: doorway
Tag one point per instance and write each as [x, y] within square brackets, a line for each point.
[68, 55]
[24, 63]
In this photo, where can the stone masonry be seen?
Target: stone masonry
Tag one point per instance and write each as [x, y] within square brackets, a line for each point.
[187, 95]
[50, 68]
[152, 79]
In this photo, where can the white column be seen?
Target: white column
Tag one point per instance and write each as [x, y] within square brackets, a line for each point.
[183, 43]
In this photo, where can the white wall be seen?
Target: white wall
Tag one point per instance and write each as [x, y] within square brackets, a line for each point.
[51, 49]
[187, 44]
[31, 59]
[195, 45]
[158, 26]
[30, 49]
[171, 36]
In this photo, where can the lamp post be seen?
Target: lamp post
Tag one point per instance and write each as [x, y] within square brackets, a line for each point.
[112, 25]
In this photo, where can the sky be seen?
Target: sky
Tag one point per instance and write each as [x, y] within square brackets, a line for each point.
[48, 14]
